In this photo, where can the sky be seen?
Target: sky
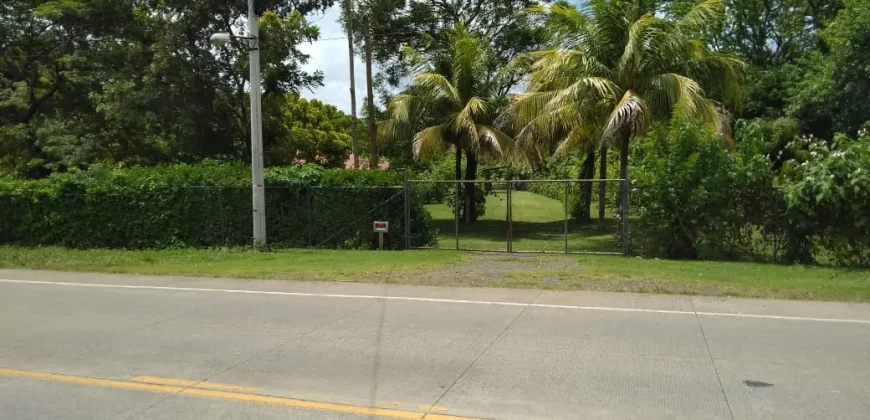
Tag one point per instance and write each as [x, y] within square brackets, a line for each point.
[329, 55]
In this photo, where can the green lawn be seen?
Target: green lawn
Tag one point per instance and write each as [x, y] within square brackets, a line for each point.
[538, 225]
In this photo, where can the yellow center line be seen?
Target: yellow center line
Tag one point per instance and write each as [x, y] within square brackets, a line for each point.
[431, 408]
[227, 395]
[194, 384]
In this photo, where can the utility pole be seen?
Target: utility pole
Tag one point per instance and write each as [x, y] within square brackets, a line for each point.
[258, 190]
[373, 131]
[348, 16]
[259, 198]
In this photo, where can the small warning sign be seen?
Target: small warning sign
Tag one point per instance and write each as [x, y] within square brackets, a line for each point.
[381, 226]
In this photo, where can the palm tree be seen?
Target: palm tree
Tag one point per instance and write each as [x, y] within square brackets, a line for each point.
[452, 102]
[618, 67]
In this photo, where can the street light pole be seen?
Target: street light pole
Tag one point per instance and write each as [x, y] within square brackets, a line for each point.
[257, 183]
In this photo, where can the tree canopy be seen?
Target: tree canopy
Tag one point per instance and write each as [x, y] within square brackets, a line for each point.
[86, 81]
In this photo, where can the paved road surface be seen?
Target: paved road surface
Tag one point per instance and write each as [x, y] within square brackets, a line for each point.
[91, 347]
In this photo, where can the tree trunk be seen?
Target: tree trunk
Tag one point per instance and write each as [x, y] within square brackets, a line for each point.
[458, 163]
[586, 175]
[470, 188]
[457, 207]
[624, 139]
[373, 132]
[350, 54]
[602, 187]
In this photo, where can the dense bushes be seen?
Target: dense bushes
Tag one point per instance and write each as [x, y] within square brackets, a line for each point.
[696, 199]
[692, 195]
[827, 191]
[206, 205]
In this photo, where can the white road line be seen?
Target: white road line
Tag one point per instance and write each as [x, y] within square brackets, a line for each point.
[437, 300]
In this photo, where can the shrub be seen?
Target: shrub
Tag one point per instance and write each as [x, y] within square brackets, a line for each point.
[691, 194]
[206, 205]
[439, 170]
[828, 199]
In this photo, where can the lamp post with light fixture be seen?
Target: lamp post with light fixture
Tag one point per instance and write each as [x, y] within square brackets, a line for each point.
[257, 183]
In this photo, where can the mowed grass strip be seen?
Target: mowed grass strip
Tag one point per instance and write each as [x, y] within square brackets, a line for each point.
[344, 265]
[711, 278]
[450, 268]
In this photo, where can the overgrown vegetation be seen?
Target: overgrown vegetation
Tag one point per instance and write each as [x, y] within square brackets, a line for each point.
[206, 205]
[827, 195]
[740, 124]
[694, 196]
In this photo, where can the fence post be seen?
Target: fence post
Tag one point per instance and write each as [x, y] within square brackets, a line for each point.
[308, 225]
[567, 185]
[456, 213]
[509, 218]
[407, 211]
[626, 242]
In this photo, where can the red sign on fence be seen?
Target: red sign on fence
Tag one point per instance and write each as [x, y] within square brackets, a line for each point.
[381, 226]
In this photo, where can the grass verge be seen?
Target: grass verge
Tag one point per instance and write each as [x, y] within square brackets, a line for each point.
[450, 268]
[338, 265]
[711, 278]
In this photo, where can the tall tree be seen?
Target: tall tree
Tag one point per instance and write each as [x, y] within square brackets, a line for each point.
[772, 36]
[831, 94]
[347, 13]
[370, 98]
[424, 25]
[86, 81]
[625, 68]
[305, 130]
[456, 101]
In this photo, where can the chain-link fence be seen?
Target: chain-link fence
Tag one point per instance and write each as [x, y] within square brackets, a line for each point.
[526, 215]
[165, 216]
[507, 216]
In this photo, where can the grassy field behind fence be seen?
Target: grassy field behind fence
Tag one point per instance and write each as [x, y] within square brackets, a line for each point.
[538, 225]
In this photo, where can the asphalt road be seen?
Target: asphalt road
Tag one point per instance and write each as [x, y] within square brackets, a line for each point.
[92, 347]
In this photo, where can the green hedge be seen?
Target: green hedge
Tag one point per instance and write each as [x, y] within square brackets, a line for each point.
[206, 205]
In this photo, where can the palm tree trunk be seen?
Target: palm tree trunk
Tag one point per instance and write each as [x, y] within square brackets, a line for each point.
[587, 172]
[352, 87]
[458, 163]
[624, 139]
[470, 187]
[602, 187]
[457, 207]
[373, 132]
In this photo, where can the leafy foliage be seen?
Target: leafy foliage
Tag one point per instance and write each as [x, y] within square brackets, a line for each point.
[452, 101]
[424, 26]
[615, 69]
[831, 97]
[693, 196]
[105, 81]
[206, 205]
[828, 201]
[305, 130]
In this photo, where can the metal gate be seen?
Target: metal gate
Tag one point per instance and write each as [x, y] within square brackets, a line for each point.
[528, 216]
